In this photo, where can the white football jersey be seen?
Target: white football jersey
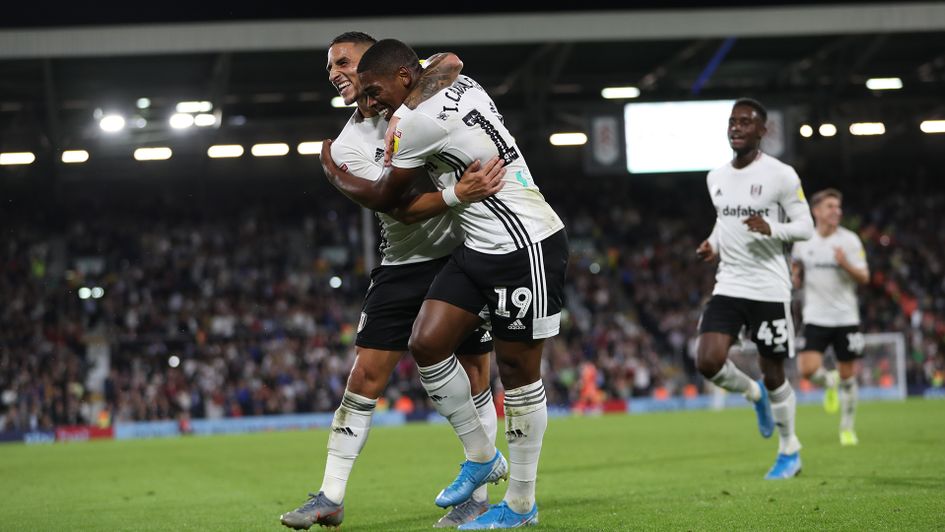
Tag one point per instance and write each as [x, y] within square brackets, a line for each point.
[755, 266]
[446, 134]
[359, 150]
[829, 291]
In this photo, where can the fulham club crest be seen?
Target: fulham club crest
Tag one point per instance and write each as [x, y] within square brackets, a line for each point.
[755, 191]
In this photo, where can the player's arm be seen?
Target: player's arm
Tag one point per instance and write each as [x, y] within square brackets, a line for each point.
[854, 263]
[440, 72]
[708, 250]
[382, 194]
[796, 270]
[794, 203]
[477, 183]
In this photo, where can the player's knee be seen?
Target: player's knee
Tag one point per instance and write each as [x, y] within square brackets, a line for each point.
[363, 380]
[709, 360]
[425, 348]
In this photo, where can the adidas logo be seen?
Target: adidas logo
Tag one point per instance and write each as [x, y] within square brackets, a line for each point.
[718, 192]
[378, 154]
[516, 325]
[514, 434]
[343, 430]
[437, 398]
[779, 348]
[486, 337]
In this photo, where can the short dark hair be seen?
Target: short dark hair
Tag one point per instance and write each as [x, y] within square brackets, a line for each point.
[824, 194]
[353, 37]
[754, 104]
[388, 55]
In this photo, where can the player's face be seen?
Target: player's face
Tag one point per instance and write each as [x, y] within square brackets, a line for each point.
[343, 58]
[828, 212]
[745, 129]
[385, 93]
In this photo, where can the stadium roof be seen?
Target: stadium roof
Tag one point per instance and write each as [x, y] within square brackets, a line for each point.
[266, 79]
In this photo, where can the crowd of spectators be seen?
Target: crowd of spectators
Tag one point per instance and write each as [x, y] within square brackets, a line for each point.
[150, 317]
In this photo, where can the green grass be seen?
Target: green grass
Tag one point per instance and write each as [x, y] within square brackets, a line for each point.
[674, 471]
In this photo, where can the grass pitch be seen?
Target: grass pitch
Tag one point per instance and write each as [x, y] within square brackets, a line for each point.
[673, 471]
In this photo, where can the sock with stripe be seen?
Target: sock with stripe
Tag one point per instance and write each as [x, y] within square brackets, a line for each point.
[783, 410]
[490, 422]
[849, 393]
[448, 386]
[735, 380]
[822, 378]
[526, 417]
[349, 432]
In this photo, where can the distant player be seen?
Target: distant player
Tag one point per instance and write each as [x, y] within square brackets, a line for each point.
[412, 256]
[513, 262]
[754, 196]
[833, 263]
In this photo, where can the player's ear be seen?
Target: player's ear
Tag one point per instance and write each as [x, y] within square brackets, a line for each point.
[405, 76]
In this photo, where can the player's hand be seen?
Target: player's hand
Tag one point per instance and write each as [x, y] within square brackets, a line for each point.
[705, 251]
[757, 224]
[839, 255]
[796, 280]
[328, 164]
[389, 139]
[479, 182]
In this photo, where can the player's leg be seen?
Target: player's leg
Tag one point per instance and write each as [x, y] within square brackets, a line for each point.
[810, 364]
[525, 290]
[526, 418]
[773, 332]
[849, 347]
[346, 438]
[718, 327]
[448, 315]
[439, 329]
[474, 356]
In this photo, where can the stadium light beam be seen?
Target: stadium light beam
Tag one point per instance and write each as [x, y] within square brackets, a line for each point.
[112, 123]
[310, 148]
[143, 103]
[153, 154]
[806, 131]
[194, 107]
[75, 156]
[867, 128]
[15, 158]
[338, 102]
[568, 139]
[335, 282]
[883, 84]
[85, 292]
[181, 120]
[620, 93]
[827, 130]
[173, 361]
[932, 126]
[224, 151]
[277, 149]
[98, 292]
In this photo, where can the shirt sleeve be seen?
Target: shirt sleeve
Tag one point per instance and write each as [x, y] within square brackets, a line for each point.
[417, 137]
[354, 162]
[856, 254]
[794, 203]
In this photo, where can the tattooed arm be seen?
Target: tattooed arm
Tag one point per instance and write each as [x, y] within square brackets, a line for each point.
[441, 71]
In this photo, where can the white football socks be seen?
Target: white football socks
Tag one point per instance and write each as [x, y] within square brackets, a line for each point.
[490, 422]
[735, 380]
[783, 410]
[448, 386]
[526, 417]
[849, 393]
[349, 432]
[823, 378]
